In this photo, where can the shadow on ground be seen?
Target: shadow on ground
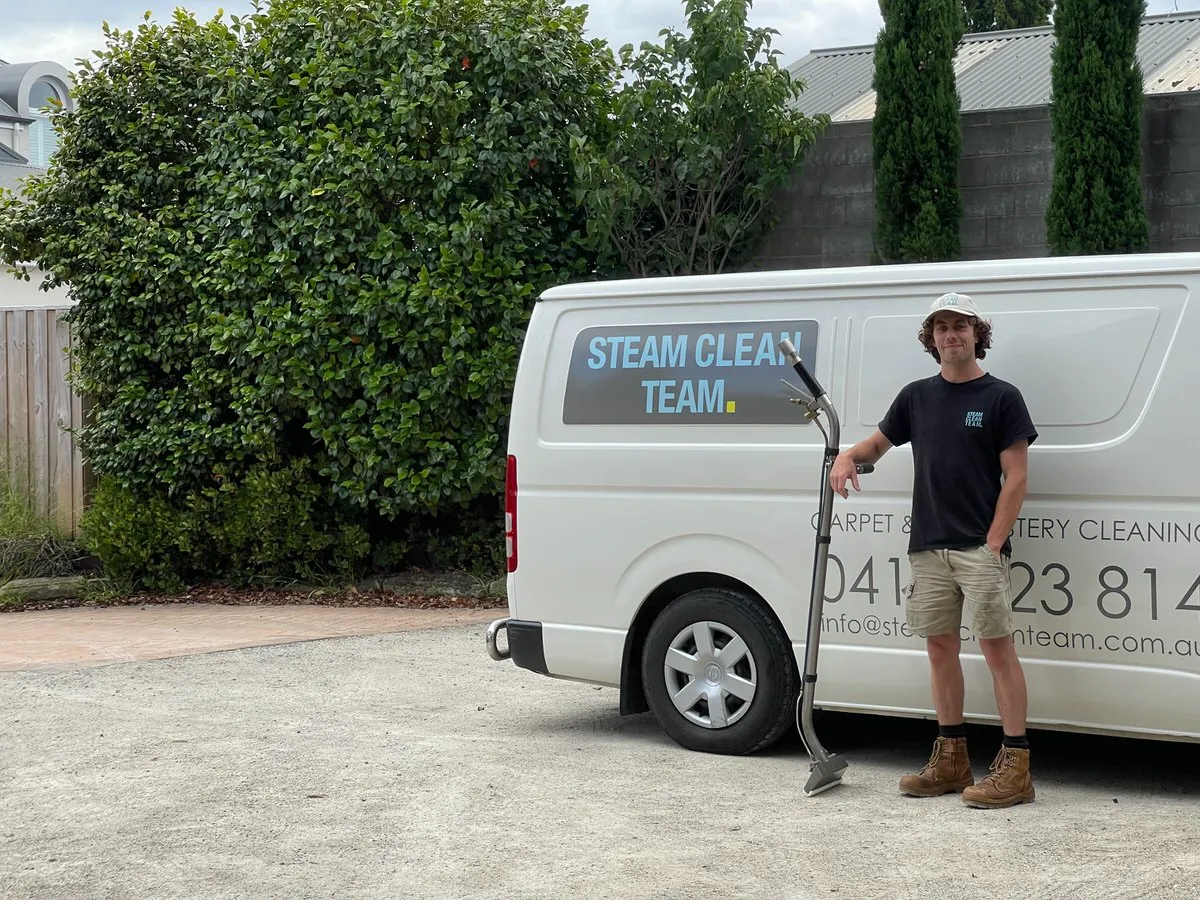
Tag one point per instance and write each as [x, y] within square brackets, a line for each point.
[1081, 760]
[1133, 765]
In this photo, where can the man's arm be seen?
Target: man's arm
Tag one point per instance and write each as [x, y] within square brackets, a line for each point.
[868, 451]
[1014, 462]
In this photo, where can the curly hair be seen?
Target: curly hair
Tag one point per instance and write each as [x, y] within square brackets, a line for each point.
[983, 339]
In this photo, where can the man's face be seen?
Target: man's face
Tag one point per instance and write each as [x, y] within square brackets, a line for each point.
[954, 336]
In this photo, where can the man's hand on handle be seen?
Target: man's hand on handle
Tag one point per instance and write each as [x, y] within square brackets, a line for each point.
[858, 460]
[844, 470]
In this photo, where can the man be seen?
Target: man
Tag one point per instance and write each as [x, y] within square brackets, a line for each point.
[970, 433]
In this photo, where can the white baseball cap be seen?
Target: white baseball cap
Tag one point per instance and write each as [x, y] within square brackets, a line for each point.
[954, 301]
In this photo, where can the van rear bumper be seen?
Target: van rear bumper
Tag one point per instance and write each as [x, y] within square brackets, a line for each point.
[525, 646]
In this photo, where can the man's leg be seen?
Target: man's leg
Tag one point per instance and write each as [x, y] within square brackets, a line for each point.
[934, 611]
[1008, 682]
[946, 677]
[987, 590]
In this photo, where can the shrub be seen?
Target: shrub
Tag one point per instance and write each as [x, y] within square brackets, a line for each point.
[273, 526]
[703, 135]
[916, 133]
[1096, 203]
[999, 15]
[309, 241]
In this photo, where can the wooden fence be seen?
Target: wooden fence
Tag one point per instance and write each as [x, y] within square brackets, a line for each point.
[38, 413]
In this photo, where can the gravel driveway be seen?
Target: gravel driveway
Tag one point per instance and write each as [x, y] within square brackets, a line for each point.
[411, 765]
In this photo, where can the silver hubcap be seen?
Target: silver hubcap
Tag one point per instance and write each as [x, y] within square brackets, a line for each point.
[710, 674]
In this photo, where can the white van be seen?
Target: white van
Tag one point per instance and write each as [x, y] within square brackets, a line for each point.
[662, 494]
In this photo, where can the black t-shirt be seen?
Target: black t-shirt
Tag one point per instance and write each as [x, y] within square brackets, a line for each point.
[957, 431]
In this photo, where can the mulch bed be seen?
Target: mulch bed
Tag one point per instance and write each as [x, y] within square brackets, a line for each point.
[220, 594]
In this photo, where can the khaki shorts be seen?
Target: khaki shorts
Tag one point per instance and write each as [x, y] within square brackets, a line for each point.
[943, 580]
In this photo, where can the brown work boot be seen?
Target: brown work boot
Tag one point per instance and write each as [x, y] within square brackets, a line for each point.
[1007, 784]
[948, 769]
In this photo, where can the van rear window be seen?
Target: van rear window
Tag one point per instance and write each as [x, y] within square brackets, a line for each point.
[725, 372]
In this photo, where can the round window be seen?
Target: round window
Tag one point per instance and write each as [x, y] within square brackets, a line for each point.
[44, 93]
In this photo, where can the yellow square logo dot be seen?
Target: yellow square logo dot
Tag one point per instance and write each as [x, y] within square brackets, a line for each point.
[730, 406]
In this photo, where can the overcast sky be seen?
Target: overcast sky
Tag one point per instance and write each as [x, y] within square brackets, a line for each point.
[64, 30]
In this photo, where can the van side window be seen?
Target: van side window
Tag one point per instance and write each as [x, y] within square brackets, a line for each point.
[725, 373]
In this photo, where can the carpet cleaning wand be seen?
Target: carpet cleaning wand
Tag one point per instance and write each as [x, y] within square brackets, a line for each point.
[827, 768]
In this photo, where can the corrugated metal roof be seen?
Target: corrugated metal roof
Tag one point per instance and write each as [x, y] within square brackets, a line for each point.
[1019, 74]
[834, 79]
[999, 70]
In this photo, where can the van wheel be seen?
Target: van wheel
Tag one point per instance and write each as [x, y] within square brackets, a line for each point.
[718, 673]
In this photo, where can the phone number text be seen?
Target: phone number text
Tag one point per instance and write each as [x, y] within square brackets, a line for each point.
[1114, 591]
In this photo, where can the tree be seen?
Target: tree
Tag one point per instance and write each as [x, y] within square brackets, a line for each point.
[304, 247]
[1096, 203]
[999, 15]
[703, 135]
[916, 133]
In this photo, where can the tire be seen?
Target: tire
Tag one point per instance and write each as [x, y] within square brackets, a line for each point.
[706, 700]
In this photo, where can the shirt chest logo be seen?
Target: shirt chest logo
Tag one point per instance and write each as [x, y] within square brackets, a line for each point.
[974, 420]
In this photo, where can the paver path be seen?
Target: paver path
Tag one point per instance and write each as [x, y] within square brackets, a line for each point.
[65, 638]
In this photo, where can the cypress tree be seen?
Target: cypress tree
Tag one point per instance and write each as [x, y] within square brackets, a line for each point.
[916, 133]
[1096, 201]
[998, 15]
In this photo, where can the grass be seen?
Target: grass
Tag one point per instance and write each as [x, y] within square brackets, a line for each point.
[31, 546]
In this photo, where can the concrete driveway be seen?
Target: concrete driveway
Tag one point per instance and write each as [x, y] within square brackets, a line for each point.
[408, 764]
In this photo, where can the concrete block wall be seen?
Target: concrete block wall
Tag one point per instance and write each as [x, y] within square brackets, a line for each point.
[828, 211]
[1005, 176]
[1171, 171]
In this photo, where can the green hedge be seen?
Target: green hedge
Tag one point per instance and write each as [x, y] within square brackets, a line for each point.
[276, 527]
[271, 526]
[304, 248]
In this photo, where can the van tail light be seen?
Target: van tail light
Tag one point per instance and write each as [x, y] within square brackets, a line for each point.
[510, 513]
